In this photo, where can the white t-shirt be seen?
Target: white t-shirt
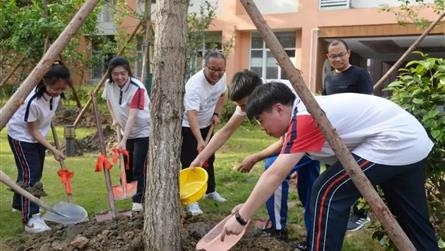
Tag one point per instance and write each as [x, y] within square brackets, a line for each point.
[240, 112]
[374, 128]
[40, 110]
[202, 97]
[132, 95]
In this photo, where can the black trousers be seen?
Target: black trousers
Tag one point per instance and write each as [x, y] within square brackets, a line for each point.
[29, 159]
[138, 155]
[333, 194]
[189, 153]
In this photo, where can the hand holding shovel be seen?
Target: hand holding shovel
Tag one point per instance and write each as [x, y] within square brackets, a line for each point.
[64, 173]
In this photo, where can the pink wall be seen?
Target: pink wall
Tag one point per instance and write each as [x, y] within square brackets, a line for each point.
[235, 22]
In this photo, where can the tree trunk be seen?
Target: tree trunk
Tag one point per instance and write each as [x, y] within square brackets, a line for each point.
[162, 210]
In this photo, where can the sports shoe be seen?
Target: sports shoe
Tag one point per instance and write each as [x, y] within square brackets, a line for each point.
[137, 207]
[36, 225]
[194, 209]
[215, 196]
[280, 234]
[299, 246]
[356, 222]
[14, 210]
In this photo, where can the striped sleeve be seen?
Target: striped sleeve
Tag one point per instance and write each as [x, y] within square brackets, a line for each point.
[303, 135]
[137, 102]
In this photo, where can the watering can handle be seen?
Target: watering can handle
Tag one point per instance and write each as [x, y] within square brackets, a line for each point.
[10, 183]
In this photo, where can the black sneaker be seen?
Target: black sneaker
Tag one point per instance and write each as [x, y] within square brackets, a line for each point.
[356, 222]
[280, 234]
[299, 246]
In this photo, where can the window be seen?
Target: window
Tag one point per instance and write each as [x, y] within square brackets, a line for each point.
[334, 4]
[106, 13]
[139, 56]
[101, 53]
[140, 6]
[210, 41]
[261, 59]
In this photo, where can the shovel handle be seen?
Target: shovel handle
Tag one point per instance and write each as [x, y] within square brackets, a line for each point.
[208, 136]
[121, 162]
[103, 151]
[10, 183]
[57, 143]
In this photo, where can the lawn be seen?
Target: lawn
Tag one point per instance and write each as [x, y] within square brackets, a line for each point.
[89, 187]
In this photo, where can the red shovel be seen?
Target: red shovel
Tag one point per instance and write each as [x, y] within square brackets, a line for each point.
[125, 190]
[64, 173]
[212, 240]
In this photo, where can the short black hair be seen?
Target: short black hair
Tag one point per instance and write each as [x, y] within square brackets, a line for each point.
[337, 42]
[243, 84]
[265, 96]
[115, 62]
[214, 54]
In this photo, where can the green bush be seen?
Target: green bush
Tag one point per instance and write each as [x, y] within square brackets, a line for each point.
[420, 89]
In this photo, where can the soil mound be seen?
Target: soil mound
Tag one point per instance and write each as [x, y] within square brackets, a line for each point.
[126, 234]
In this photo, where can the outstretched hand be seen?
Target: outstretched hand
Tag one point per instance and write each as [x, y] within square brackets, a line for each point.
[247, 164]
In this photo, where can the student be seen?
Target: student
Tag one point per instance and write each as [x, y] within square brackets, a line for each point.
[128, 102]
[387, 142]
[27, 132]
[203, 102]
[243, 84]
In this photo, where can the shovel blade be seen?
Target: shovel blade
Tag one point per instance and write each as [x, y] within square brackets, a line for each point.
[68, 214]
[124, 192]
[212, 240]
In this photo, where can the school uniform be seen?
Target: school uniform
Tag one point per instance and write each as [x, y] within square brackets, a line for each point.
[29, 154]
[200, 96]
[391, 148]
[308, 171]
[132, 95]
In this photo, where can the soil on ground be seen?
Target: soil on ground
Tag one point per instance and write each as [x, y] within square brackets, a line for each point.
[125, 233]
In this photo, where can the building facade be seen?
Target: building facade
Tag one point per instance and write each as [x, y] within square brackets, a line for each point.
[305, 27]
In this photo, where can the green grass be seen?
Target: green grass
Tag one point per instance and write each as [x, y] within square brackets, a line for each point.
[89, 189]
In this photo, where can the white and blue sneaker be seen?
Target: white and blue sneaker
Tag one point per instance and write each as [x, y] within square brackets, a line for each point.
[194, 209]
[36, 225]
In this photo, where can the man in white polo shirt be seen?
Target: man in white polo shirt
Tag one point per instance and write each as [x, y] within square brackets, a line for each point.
[203, 101]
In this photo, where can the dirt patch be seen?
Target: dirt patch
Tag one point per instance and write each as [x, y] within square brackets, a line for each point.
[126, 234]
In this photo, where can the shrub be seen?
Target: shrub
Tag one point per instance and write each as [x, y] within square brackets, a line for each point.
[420, 89]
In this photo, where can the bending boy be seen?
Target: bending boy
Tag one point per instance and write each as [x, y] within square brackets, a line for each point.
[388, 143]
[243, 84]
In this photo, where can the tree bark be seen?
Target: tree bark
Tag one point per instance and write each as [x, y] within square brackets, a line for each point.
[146, 43]
[162, 210]
[344, 156]
[45, 63]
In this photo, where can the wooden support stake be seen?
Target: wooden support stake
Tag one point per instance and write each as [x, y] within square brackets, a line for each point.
[102, 80]
[344, 156]
[45, 63]
[379, 85]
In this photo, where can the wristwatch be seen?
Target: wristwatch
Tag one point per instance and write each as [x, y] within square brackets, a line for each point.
[240, 219]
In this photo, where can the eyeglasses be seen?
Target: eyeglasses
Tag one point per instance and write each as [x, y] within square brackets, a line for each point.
[339, 55]
[215, 70]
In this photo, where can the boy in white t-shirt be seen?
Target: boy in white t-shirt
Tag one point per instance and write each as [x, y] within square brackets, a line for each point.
[388, 143]
[203, 101]
[27, 132]
[243, 84]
